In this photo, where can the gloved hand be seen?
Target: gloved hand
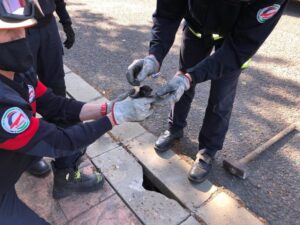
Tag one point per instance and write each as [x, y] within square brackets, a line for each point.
[174, 89]
[132, 110]
[140, 69]
[70, 35]
[107, 106]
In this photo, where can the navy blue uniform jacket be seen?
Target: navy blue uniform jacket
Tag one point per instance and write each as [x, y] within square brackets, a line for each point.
[244, 27]
[25, 138]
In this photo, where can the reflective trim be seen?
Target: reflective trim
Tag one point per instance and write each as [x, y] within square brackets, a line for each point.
[216, 37]
[246, 65]
[198, 35]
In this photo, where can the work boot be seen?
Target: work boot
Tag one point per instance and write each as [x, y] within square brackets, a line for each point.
[201, 167]
[166, 140]
[69, 181]
[40, 169]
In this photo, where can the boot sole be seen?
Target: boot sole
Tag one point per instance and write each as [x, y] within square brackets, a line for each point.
[59, 193]
[39, 174]
[197, 180]
[164, 149]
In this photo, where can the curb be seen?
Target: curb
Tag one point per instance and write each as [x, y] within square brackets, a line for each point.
[126, 153]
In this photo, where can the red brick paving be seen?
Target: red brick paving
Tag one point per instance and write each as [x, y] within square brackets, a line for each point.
[110, 212]
[101, 207]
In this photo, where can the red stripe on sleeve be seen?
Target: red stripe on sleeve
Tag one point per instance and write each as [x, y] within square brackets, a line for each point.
[40, 89]
[33, 107]
[22, 139]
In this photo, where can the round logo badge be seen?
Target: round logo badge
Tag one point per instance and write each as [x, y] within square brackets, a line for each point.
[14, 120]
[31, 93]
[266, 13]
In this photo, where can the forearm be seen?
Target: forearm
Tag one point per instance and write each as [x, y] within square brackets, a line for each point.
[55, 142]
[90, 111]
[62, 12]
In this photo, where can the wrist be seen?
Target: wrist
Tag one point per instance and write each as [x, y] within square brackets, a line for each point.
[113, 115]
[189, 77]
[111, 119]
[153, 58]
[103, 109]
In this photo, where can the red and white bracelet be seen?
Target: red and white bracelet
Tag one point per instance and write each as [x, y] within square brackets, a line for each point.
[103, 109]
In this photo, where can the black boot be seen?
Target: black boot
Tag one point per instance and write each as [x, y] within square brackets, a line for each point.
[39, 169]
[166, 140]
[201, 167]
[69, 181]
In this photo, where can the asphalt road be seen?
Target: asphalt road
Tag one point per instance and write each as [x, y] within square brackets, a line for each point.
[111, 34]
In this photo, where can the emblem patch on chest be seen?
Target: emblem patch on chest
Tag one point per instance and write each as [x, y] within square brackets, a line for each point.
[14, 120]
[267, 13]
[31, 93]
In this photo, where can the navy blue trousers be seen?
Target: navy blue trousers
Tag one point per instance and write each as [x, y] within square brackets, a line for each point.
[47, 50]
[14, 212]
[221, 98]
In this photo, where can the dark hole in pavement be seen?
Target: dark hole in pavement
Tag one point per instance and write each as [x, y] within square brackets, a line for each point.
[148, 185]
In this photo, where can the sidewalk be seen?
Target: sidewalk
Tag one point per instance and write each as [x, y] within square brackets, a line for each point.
[102, 207]
[141, 186]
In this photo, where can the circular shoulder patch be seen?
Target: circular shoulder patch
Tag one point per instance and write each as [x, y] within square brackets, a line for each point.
[14, 120]
[267, 13]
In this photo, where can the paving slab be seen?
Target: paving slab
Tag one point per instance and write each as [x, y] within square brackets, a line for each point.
[127, 131]
[126, 176]
[190, 221]
[224, 210]
[110, 212]
[66, 69]
[80, 89]
[102, 145]
[100, 100]
[169, 173]
[37, 194]
[76, 204]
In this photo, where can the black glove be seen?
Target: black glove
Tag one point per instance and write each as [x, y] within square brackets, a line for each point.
[70, 35]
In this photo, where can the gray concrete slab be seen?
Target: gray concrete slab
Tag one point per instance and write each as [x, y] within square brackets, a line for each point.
[169, 172]
[80, 89]
[190, 221]
[66, 69]
[126, 176]
[100, 101]
[127, 131]
[102, 145]
[224, 210]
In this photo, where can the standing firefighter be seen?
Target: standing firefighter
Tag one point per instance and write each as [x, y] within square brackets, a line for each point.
[236, 29]
[24, 139]
[47, 51]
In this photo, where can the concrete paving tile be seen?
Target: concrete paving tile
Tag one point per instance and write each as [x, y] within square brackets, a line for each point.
[126, 176]
[224, 210]
[100, 101]
[37, 194]
[191, 221]
[109, 212]
[102, 145]
[127, 131]
[169, 172]
[66, 69]
[76, 204]
[80, 89]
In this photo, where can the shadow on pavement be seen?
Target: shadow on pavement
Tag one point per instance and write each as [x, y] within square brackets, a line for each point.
[293, 8]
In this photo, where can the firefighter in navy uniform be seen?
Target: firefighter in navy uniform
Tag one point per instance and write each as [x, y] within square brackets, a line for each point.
[47, 50]
[24, 139]
[236, 29]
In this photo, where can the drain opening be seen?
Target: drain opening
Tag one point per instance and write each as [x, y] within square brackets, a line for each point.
[148, 185]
